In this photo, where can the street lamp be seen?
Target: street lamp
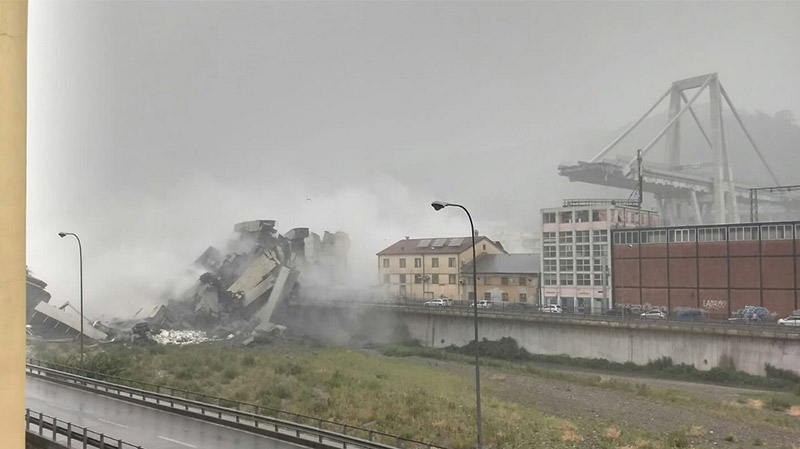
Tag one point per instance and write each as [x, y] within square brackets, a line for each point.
[439, 205]
[80, 256]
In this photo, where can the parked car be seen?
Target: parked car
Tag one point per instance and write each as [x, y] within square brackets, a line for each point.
[793, 320]
[657, 314]
[482, 304]
[552, 308]
[435, 303]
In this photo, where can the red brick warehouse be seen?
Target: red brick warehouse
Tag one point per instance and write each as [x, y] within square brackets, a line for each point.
[719, 268]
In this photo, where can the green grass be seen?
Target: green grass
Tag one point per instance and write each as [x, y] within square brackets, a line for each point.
[773, 415]
[341, 385]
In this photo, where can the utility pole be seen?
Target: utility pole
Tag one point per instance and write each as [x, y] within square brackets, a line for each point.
[641, 178]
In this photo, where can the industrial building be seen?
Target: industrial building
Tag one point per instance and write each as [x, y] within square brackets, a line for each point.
[576, 248]
[717, 268]
[429, 268]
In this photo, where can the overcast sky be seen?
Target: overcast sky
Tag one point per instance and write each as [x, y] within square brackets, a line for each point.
[155, 126]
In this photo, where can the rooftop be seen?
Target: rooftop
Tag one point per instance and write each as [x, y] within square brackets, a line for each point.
[442, 245]
[505, 264]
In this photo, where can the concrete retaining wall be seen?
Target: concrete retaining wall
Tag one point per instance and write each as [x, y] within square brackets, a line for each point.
[702, 346]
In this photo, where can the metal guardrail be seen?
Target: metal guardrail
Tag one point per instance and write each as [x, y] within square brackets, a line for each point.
[301, 429]
[66, 433]
[514, 309]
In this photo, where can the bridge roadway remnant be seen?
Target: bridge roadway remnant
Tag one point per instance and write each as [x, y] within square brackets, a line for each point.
[704, 345]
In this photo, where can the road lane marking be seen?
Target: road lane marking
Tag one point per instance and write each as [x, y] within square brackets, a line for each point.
[112, 423]
[176, 441]
[60, 406]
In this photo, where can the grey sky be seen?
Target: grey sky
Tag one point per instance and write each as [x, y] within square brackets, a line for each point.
[153, 127]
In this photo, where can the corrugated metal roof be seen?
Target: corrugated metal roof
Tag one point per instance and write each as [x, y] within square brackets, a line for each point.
[416, 246]
[505, 264]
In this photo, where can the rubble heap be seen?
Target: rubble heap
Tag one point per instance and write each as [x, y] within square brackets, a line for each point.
[239, 290]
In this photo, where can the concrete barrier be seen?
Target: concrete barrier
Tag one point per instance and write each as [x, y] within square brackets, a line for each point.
[703, 345]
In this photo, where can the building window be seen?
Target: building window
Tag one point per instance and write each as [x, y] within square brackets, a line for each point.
[504, 280]
[626, 237]
[451, 262]
[598, 264]
[548, 237]
[549, 217]
[487, 280]
[550, 279]
[471, 296]
[523, 281]
[385, 278]
[598, 279]
[711, 235]
[549, 250]
[600, 236]
[654, 236]
[600, 250]
[385, 263]
[776, 232]
[565, 265]
[583, 279]
[581, 216]
[484, 247]
[741, 233]
[523, 297]
[583, 265]
[417, 278]
[451, 278]
[598, 215]
[417, 262]
[566, 278]
[487, 296]
[565, 250]
[402, 262]
[566, 217]
[402, 278]
[435, 279]
[582, 250]
[565, 237]
[549, 266]
[581, 236]
[504, 296]
[435, 262]
[681, 235]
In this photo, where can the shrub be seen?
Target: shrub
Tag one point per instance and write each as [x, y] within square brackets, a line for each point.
[780, 373]
[248, 360]
[730, 438]
[677, 438]
[778, 403]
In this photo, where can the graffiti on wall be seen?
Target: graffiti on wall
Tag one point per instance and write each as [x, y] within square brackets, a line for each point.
[715, 304]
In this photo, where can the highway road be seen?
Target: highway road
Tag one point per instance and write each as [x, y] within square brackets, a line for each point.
[136, 424]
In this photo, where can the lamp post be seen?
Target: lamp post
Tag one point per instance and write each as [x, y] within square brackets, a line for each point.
[439, 205]
[80, 256]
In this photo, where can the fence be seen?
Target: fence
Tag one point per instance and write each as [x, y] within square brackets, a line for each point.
[66, 433]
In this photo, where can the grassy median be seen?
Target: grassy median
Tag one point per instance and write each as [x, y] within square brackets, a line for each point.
[381, 393]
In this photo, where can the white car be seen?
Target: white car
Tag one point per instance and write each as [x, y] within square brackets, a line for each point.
[482, 304]
[654, 314]
[790, 321]
[552, 308]
[435, 303]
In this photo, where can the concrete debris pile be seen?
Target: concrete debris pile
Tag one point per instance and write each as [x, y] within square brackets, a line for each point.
[239, 289]
[179, 337]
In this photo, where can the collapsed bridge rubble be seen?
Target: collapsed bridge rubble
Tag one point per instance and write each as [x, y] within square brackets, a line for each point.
[239, 291]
